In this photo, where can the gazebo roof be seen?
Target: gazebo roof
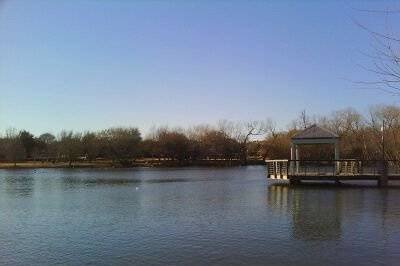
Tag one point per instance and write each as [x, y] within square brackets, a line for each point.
[315, 132]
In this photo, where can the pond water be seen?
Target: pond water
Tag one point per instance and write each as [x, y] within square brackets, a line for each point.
[191, 216]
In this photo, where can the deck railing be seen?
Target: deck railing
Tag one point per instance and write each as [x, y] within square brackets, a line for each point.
[284, 169]
[277, 169]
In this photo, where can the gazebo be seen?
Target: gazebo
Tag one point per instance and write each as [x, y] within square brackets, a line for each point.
[326, 170]
[312, 135]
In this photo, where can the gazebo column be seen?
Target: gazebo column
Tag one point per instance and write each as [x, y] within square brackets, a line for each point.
[292, 154]
[292, 157]
[337, 151]
[337, 156]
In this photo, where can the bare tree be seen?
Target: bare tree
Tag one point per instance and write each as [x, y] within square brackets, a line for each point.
[122, 144]
[46, 146]
[90, 145]
[244, 131]
[14, 149]
[385, 56]
[70, 147]
[343, 121]
[303, 121]
[28, 141]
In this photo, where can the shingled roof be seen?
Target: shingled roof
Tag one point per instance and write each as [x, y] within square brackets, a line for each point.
[315, 132]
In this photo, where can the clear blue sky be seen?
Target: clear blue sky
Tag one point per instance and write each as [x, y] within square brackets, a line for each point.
[87, 65]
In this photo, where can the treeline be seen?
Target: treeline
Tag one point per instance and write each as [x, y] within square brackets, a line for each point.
[123, 146]
[360, 138]
[117, 144]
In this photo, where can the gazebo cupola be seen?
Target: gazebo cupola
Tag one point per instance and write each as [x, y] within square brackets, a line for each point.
[313, 135]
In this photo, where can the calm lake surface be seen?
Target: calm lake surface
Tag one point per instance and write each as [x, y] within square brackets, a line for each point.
[191, 216]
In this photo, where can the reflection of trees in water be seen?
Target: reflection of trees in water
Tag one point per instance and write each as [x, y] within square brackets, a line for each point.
[316, 213]
[19, 186]
[390, 211]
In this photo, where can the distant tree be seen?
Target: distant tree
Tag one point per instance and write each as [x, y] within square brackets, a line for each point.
[276, 146]
[90, 145]
[69, 146]
[343, 121]
[198, 141]
[218, 144]
[150, 149]
[47, 138]
[254, 148]
[173, 144]
[122, 144]
[46, 146]
[387, 116]
[242, 132]
[14, 149]
[303, 121]
[28, 141]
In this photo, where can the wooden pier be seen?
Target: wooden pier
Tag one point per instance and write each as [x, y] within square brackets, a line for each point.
[333, 170]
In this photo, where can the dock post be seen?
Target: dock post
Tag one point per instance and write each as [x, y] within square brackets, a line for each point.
[293, 181]
[383, 177]
[383, 181]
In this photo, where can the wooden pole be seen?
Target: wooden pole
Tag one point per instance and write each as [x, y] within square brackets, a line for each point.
[383, 177]
[297, 156]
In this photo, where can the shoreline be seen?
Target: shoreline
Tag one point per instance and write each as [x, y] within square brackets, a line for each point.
[138, 163]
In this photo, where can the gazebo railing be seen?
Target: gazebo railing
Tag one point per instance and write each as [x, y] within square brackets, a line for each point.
[277, 169]
[283, 169]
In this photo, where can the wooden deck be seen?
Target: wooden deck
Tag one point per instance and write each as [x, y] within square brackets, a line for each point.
[333, 170]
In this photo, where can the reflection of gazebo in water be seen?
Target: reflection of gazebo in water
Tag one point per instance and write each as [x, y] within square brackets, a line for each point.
[315, 214]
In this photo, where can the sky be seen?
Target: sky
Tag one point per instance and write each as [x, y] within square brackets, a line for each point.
[88, 65]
